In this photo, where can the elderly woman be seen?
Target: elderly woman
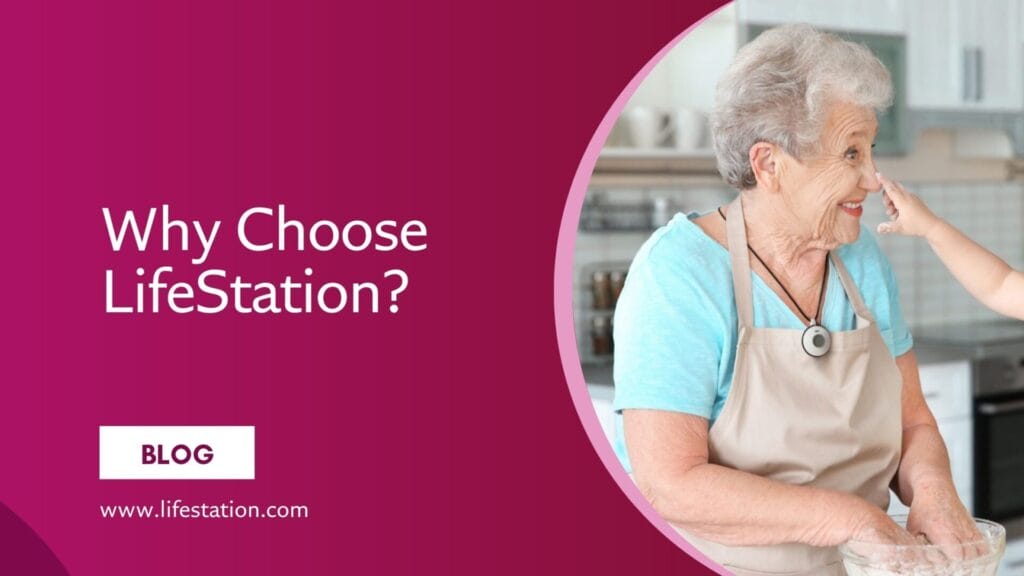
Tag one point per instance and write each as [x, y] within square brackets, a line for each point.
[769, 394]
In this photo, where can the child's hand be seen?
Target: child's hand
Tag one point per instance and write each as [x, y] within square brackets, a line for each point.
[908, 213]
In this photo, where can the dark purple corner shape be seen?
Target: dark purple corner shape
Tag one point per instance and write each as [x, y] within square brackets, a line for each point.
[22, 551]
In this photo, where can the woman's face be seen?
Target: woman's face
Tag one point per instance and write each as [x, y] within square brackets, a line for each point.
[825, 192]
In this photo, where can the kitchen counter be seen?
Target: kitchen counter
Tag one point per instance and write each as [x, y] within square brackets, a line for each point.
[927, 354]
[971, 340]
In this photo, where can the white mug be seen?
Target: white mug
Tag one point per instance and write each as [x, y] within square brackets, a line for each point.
[647, 127]
[690, 126]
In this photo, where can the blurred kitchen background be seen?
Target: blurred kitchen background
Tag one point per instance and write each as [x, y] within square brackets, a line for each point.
[955, 136]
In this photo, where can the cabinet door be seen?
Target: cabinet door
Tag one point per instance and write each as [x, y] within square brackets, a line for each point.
[933, 54]
[1002, 70]
[964, 55]
[990, 54]
[1013, 561]
[959, 437]
[946, 388]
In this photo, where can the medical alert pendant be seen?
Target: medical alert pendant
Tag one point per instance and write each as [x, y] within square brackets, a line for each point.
[816, 340]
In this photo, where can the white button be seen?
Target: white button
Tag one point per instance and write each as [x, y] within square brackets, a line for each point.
[177, 452]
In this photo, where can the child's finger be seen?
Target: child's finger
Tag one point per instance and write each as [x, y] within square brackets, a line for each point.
[890, 208]
[892, 227]
[894, 190]
[898, 197]
[901, 192]
[887, 201]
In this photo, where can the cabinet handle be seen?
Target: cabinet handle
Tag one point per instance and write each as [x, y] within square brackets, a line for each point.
[979, 68]
[967, 74]
[992, 408]
[1016, 564]
[972, 74]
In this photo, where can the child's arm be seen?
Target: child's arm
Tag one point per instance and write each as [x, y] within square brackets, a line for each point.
[982, 273]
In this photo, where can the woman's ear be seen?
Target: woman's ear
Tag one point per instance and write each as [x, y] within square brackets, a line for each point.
[765, 160]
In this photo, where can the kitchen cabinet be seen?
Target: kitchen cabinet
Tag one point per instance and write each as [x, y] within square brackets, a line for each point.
[964, 56]
[874, 16]
[932, 55]
[961, 55]
[946, 387]
[1013, 561]
[959, 437]
[990, 34]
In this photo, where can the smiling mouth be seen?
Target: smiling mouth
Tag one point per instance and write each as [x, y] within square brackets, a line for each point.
[854, 209]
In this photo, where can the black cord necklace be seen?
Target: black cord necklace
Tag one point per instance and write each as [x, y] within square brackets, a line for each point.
[816, 339]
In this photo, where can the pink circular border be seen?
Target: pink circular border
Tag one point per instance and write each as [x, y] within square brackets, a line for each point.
[565, 328]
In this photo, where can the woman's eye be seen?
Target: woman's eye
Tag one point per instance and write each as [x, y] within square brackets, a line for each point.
[852, 154]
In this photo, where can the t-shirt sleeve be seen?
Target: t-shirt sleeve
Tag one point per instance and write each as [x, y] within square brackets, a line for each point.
[667, 352]
[881, 291]
[902, 341]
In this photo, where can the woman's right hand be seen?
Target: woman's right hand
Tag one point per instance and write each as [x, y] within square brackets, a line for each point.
[849, 518]
[878, 538]
[876, 527]
[881, 540]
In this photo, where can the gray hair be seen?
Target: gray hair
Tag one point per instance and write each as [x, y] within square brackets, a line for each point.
[779, 88]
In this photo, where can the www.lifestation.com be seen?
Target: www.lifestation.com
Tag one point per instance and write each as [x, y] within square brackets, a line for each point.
[177, 509]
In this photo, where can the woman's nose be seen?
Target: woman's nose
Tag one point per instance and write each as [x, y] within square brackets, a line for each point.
[870, 181]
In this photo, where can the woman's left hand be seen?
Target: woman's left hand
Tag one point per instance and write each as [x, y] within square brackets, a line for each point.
[938, 514]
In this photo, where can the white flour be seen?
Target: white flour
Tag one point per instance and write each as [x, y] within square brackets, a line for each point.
[989, 569]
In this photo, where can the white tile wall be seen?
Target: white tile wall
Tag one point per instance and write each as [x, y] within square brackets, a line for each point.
[991, 214]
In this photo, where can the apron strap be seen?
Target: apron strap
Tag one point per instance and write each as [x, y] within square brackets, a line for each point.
[851, 289]
[736, 234]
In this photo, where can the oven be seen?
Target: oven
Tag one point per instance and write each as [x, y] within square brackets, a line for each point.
[999, 438]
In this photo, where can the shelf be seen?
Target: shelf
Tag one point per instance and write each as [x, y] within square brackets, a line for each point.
[661, 161]
[659, 167]
[619, 152]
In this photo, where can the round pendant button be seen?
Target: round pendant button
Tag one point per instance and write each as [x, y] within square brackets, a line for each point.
[816, 341]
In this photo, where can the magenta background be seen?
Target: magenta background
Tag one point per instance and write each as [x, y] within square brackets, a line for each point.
[442, 439]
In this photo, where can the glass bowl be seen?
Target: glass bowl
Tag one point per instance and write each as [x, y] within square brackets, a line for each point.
[978, 558]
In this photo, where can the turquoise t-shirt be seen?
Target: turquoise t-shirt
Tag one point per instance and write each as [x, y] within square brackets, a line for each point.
[675, 321]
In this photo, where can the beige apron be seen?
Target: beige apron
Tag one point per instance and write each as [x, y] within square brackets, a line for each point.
[831, 422]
